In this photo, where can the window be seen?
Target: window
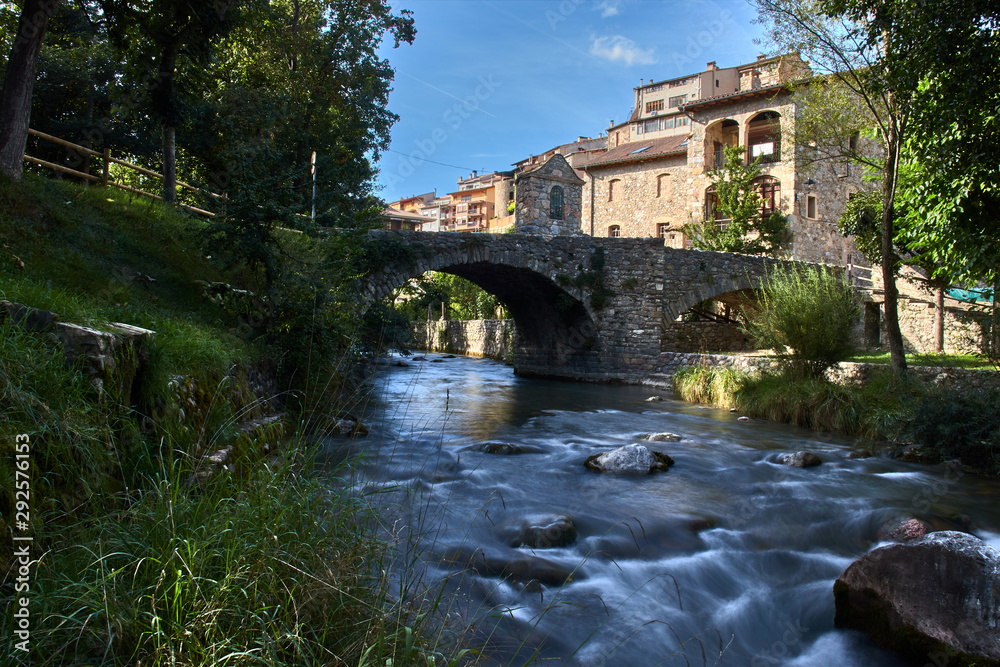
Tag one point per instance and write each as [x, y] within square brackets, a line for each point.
[811, 207]
[764, 137]
[655, 105]
[679, 82]
[612, 186]
[712, 204]
[663, 229]
[677, 101]
[556, 203]
[614, 231]
[660, 183]
[719, 153]
[653, 89]
[769, 189]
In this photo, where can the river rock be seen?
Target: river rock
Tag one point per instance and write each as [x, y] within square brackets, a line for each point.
[401, 364]
[501, 448]
[521, 569]
[934, 599]
[418, 359]
[653, 399]
[544, 531]
[629, 460]
[800, 460]
[346, 427]
[902, 530]
[662, 437]
[437, 361]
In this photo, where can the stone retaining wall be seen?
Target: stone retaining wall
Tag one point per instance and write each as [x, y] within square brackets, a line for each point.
[703, 337]
[844, 372]
[493, 339]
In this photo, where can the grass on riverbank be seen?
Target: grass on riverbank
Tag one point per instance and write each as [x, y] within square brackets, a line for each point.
[952, 424]
[928, 359]
[262, 563]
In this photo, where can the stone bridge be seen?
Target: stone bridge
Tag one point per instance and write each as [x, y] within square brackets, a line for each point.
[585, 308]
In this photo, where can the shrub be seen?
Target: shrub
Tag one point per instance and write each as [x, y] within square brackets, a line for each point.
[806, 315]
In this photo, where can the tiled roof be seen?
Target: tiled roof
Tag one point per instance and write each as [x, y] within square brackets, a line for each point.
[740, 93]
[641, 150]
[391, 212]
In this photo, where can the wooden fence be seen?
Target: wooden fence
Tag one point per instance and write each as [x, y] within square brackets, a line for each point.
[105, 179]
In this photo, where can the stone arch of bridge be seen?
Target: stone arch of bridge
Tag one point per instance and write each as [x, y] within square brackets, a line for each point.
[550, 321]
[735, 289]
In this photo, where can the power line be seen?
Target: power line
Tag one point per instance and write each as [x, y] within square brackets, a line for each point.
[423, 159]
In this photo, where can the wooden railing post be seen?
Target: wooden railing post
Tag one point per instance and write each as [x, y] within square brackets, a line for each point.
[107, 167]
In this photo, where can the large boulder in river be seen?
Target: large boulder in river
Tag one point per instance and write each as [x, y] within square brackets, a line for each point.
[935, 599]
[543, 531]
[629, 460]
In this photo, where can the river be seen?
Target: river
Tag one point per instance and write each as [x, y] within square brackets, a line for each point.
[729, 552]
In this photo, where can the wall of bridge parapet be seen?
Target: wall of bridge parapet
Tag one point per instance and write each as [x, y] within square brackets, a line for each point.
[553, 288]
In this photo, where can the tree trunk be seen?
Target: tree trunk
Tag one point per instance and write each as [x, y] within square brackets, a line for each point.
[15, 101]
[169, 165]
[897, 357]
[939, 318]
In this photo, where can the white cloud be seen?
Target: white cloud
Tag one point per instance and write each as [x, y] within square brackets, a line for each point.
[609, 7]
[617, 47]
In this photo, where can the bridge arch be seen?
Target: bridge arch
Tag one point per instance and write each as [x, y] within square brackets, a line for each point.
[554, 326]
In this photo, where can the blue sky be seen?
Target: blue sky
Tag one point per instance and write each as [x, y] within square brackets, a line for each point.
[488, 82]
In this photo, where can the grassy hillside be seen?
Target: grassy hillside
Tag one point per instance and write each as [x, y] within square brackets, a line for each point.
[134, 561]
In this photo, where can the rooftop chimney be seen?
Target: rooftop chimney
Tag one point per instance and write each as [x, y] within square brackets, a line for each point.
[761, 57]
[711, 66]
[474, 173]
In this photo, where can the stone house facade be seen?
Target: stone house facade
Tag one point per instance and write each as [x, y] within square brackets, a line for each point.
[654, 177]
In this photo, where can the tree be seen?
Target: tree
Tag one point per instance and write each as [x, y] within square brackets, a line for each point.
[19, 81]
[746, 226]
[882, 51]
[154, 36]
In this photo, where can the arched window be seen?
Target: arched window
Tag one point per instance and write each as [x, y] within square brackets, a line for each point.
[764, 137]
[769, 189]
[556, 203]
[614, 231]
[612, 186]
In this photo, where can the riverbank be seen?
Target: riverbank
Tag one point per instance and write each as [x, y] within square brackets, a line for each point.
[162, 450]
[927, 416]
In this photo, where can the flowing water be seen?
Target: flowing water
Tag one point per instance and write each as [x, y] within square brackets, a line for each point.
[729, 551]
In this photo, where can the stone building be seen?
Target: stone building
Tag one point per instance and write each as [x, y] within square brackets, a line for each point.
[654, 176]
[548, 198]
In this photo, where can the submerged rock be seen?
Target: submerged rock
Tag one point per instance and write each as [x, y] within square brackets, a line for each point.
[520, 569]
[346, 427]
[501, 448]
[653, 399]
[800, 460]
[662, 437]
[629, 460]
[418, 359]
[935, 597]
[543, 531]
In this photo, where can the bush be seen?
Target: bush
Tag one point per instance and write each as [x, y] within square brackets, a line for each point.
[806, 315]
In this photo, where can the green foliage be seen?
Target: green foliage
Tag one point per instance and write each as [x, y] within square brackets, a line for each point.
[592, 280]
[142, 564]
[961, 424]
[741, 228]
[462, 299]
[807, 315]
